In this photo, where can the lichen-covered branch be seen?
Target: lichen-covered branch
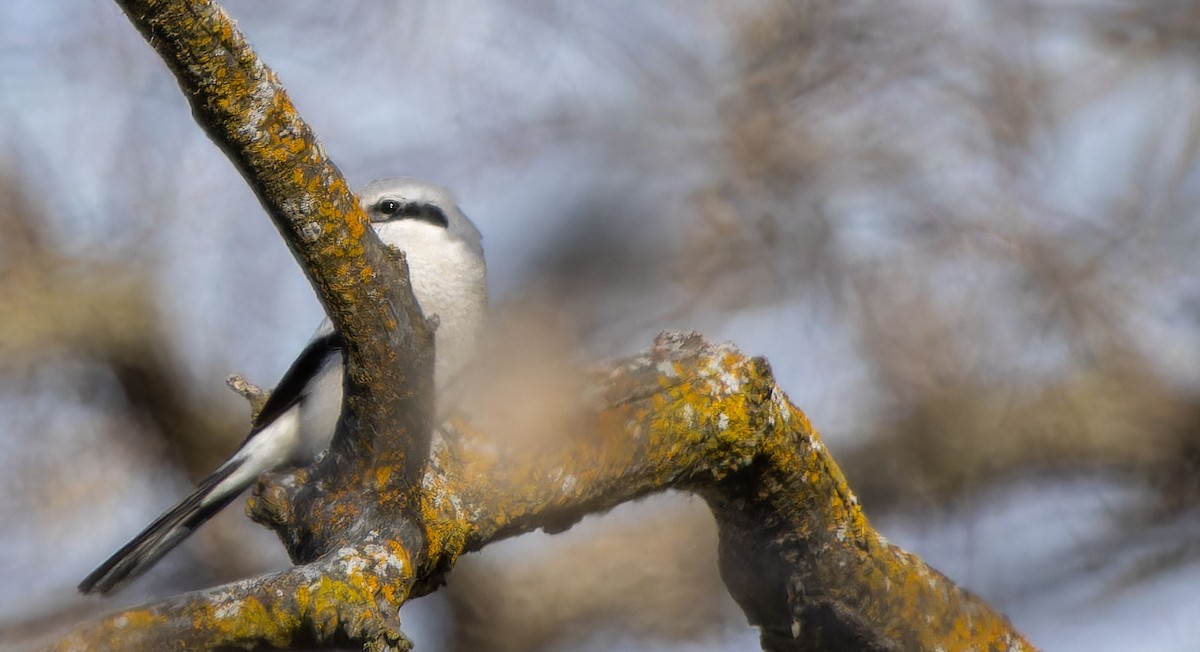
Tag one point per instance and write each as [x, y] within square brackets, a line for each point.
[377, 521]
[244, 108]
[360, 497]
[350, 595]
[796, 550]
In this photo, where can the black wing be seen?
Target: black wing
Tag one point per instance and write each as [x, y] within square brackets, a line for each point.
[291, 387]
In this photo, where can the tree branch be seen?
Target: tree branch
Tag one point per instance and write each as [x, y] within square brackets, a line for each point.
[363, 490]
[246, 111]
[796, 551]
[347, 596]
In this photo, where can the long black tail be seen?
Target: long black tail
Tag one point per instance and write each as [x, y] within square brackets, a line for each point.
[166, 532]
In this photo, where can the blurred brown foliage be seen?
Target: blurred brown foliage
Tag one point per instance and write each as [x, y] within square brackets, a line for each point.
[87, 363]
[969, 281]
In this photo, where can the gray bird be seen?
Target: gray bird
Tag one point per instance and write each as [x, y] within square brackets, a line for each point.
[445, 262]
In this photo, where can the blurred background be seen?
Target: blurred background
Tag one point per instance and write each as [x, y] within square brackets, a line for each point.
[962, 232]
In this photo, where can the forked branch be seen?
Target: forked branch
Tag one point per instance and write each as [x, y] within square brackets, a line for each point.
[382, 518]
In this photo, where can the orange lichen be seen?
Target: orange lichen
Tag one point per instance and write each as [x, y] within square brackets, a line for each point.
[248, 619]
[383, 475]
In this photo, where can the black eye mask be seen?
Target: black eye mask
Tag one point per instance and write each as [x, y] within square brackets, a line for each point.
[388, 210]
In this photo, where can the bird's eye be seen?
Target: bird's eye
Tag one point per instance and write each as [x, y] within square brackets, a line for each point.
[390, 210]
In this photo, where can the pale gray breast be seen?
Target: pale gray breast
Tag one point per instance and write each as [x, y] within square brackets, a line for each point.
[449, 280]
[445, 260]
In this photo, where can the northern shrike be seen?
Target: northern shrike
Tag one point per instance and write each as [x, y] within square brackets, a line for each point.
[445, 262]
